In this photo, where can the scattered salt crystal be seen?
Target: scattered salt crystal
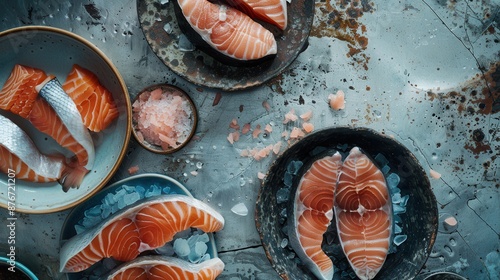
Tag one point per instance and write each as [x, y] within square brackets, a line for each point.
[266, 105]
[337, 101]
[296, 133]
[434, 174]
[245, 153]
[230, 138]
[290, 117]
[246, 128]
[184, 44]
[284, 243]
[168, 28]
[306, 116]
[261, 175]
[284, 134]
[256, 131]
[194, 172]
[268, 128]
[217, 98]
[181, 247]
[277, 147]
[308, 127]
[240, 209]
[234, 124]
[451, 221]
[132, 170]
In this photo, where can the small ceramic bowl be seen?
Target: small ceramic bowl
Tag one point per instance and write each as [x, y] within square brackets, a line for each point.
[445, 276]
[21, 271]
[167, 91]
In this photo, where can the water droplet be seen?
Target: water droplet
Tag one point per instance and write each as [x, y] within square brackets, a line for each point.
[377, 113]
[78, 18]
[284, 243]
[214, 147]
[240, 209]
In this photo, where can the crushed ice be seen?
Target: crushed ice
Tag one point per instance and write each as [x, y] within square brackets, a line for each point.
[113, 202]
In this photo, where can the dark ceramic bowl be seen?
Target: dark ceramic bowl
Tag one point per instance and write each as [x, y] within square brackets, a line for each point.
[419, 223]
[21, 271]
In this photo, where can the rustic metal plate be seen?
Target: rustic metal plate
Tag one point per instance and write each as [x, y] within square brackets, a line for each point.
[162, 32]
[419, 223]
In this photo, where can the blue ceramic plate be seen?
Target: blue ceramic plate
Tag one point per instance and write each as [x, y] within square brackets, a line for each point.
[20, 267]
[55, 51]
[144, 180]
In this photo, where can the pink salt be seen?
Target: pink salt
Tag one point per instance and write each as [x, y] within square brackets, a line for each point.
[246, 128]
[266, 105]
[261, 175]
[434, 174]
[268, 128]
[164, 118]
[306, 116]
[290, 117]
[296, 133]
[132, 170]
[308, 127]
[337, 101]
[277, 147]
[234, 124]
[256, 131]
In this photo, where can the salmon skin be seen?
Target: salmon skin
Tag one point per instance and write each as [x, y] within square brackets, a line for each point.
[19, 153]
[363, 214]
[94, 102]
[163, 267]
[312, 214]
[19, 96]
[271, 11]
[146, 225]
[51, 90]
[225, 33]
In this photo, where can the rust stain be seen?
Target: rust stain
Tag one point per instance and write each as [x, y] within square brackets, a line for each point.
[479, 95]
[342, 21]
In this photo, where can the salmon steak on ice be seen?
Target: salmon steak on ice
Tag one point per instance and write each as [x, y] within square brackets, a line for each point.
[312, 214]
[163, 267]
[143, 226]
[363, 214]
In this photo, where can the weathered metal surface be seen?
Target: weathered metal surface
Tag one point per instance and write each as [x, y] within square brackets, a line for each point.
[162, 32]
[427, 77]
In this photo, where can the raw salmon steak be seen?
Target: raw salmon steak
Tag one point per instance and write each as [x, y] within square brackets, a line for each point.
[20, 96]
[363, 212]
[146, 225]
[225, 31]
[94, 102]
[312, 214]
[167, 268]
[19, 154]
[271, 11]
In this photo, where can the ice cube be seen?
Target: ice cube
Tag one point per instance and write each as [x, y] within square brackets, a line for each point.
[205, 257]
[398, 209]
[128, 189]
[153, 190]
[399, 239]
[404, 200]
[288, 179]
[317, 150]
[240, 209]
[181, 247]
[168, 28]
[385, 169]
[131, 198]
[79, 228]
[392, 180]
[121, 202]
[397, 229]
[200, 248]
[294, 167]
[167, 249]
[283, 213]
[93, 212]
[396, 219]
[381, 160]
[166, 190]
[184, 44]
[396, 198]
[183, 234]
[141, 191]
[106, 211]
[108, 199]
[119, 194]
[282, 195]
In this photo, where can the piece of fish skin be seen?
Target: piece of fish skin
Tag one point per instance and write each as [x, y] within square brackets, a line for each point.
[141, 226]
[363, 214]
[52, 91]
[19, 153]
[313, 213]
[164, 267]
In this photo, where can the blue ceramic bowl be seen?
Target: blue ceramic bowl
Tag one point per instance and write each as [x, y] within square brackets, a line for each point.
[19, 267]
